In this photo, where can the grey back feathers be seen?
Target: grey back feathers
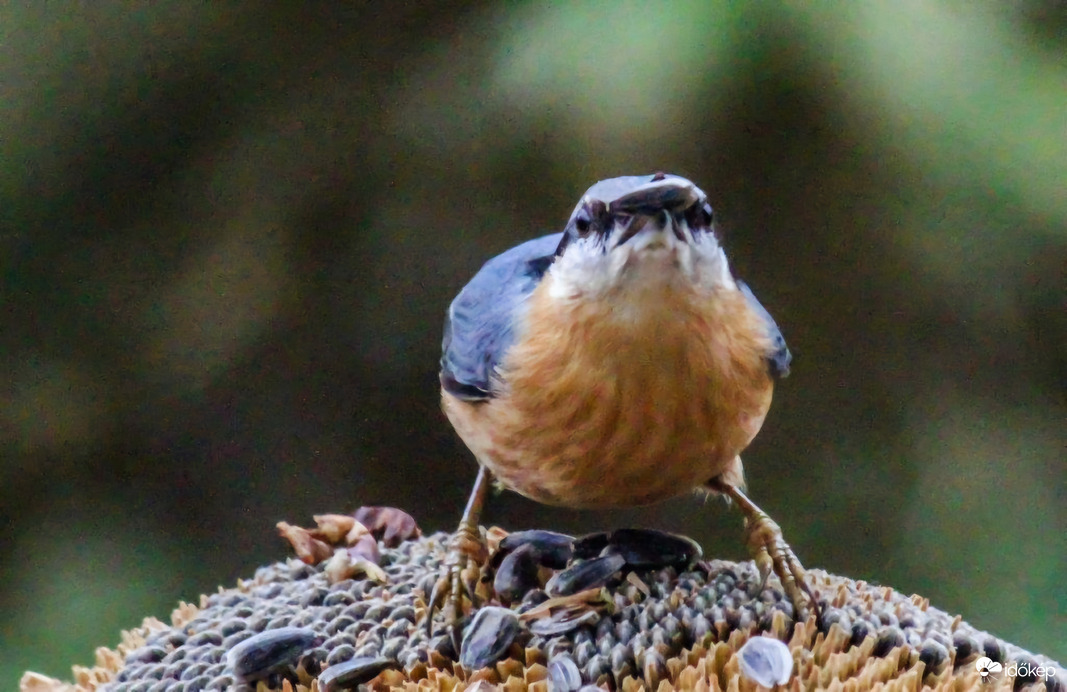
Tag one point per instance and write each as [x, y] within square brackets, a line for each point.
[480, 322]
[779, 357]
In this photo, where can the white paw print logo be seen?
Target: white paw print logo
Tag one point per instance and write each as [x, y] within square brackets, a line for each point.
[986, 667]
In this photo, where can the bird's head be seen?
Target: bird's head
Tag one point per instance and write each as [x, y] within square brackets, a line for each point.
[639, 230]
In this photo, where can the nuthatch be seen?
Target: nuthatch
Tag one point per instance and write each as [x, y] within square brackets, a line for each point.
[615, 364]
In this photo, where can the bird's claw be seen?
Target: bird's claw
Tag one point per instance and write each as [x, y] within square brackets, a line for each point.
[458, 581]
[771, 553]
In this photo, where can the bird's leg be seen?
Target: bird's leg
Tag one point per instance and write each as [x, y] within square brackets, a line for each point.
[466, 555]
[769, 549]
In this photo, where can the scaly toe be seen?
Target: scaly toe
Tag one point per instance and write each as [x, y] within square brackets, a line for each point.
[458, 580]
[772, 553]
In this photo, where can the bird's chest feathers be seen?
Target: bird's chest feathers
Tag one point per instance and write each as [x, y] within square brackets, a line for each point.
[629, 383]
[652, 344]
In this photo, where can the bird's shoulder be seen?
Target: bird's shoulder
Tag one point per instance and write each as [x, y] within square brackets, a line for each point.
[778, 355]
[479, 326]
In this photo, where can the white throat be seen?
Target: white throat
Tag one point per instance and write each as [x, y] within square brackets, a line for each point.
[587, 271]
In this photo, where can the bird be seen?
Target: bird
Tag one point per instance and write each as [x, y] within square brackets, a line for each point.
[617, 363]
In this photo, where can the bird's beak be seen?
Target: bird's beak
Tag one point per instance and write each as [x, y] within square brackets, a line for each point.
[656, 197]
[653, 209]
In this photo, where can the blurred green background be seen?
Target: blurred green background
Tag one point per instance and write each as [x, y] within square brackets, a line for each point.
[229, 232]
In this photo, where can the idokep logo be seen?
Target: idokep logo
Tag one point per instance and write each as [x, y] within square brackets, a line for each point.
[987, 667]
[990, 670]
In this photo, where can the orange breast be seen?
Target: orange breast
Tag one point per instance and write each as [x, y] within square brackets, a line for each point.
[623, 401]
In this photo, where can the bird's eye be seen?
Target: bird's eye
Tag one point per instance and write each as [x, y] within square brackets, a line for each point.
[583, 222]
[699, 216]
[592, 218]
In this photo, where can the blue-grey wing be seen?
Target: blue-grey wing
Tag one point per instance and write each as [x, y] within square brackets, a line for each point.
[480, 322]
[778, 358]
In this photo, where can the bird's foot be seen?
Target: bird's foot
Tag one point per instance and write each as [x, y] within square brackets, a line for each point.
[771, 553]
[458, 582]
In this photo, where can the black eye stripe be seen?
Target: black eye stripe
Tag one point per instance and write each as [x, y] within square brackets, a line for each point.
[592, 218]
[699, 215]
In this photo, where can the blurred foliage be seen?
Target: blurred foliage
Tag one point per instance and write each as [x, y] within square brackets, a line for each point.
[229, 233]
